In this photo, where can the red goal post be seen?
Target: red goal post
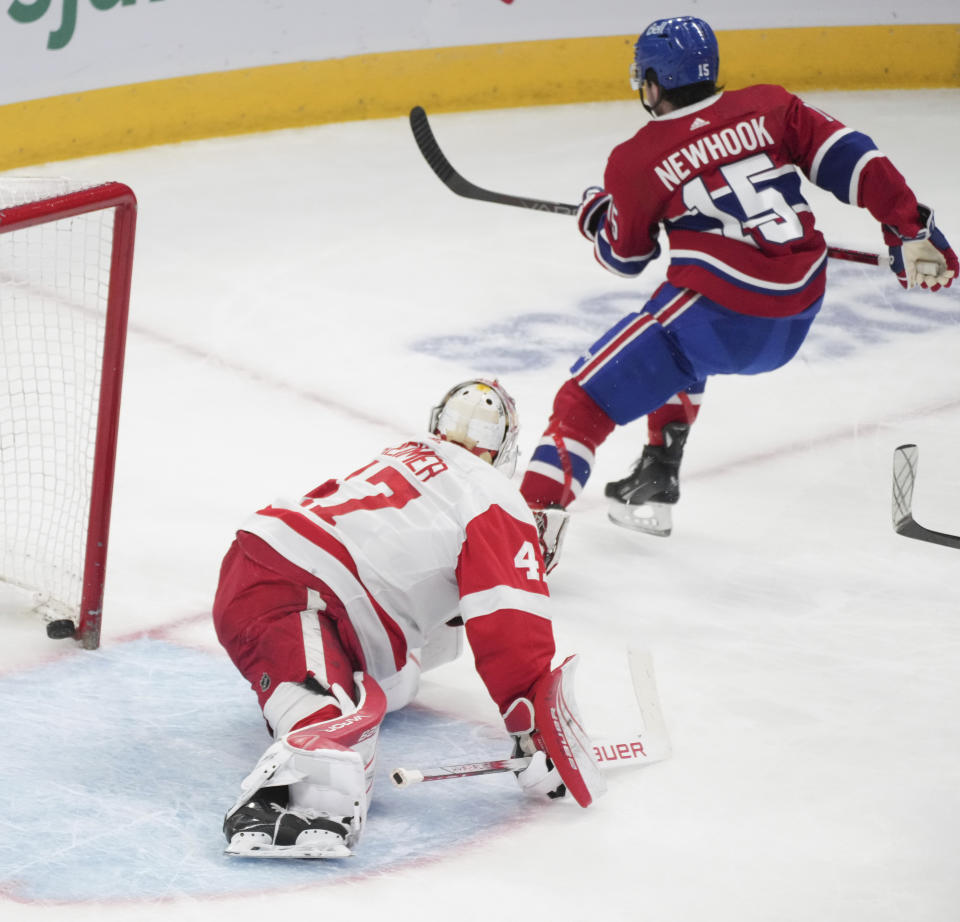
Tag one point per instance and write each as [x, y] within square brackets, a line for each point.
[66, 259]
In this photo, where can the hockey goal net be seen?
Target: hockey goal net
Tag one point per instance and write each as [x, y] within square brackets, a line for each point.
[66, 255]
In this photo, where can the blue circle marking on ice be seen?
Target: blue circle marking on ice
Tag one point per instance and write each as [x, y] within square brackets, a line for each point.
[122, 762]
[864, 306]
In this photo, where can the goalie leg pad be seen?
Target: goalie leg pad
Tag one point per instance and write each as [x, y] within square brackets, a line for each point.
[327, 768]
[314, 805]
[338, 758]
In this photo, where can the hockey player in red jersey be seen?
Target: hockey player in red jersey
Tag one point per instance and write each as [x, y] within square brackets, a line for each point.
[330, 606]
[720, 173]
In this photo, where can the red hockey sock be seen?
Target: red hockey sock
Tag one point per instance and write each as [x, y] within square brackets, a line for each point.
[562, 461]
[680, 409]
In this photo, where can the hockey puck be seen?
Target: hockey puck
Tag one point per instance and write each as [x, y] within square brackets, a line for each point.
[61, 628]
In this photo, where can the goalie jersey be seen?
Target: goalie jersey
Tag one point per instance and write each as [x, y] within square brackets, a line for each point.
[422, 534]
[723, 178]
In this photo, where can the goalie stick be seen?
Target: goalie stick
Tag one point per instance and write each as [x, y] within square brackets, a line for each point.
[436, 159]
[636, 748]
[905, 460]
[610, 753]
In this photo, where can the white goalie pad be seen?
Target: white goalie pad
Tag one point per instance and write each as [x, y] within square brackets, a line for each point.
[327, 801]
[328, 781]
[332, 784]
[328, 767]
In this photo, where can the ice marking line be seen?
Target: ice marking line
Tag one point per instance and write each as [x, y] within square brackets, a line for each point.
[860, 310]
[830, 438]
[160, 710]
[259, 377]
[792, 448]
[164, 631]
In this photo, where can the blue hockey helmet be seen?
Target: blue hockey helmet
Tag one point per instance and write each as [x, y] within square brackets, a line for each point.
[680, 50]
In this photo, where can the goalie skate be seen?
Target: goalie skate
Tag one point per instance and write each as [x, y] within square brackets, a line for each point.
[262, 828]
[311, 844]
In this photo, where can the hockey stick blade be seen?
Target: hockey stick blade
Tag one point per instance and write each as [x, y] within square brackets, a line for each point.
[905, 461]
[656, 740]
[437, 161]
[643, 747]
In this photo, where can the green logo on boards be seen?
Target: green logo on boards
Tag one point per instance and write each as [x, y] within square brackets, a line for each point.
[26, 11]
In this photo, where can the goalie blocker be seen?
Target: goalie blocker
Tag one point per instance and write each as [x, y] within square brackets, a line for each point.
[550, 729]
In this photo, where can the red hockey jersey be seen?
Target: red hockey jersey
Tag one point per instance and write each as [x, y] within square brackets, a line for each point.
[425, 532]
[723, 178]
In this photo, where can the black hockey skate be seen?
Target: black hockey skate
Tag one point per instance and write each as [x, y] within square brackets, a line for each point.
[263, 827]
[642, 501]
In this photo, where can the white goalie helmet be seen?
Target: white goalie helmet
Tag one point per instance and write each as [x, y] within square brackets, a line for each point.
[482, 417]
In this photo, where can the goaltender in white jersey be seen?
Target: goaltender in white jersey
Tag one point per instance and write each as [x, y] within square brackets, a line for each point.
[332, 605]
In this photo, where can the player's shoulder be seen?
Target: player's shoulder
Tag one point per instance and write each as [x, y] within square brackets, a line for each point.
[481, 484]
[759, 91]
[664, 132]
[758, 98]
[633, 154]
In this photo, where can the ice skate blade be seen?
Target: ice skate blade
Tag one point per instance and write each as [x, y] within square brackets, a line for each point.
[314, 849]
[649, 518]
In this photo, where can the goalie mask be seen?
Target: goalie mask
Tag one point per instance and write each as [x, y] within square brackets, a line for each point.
[482, 417]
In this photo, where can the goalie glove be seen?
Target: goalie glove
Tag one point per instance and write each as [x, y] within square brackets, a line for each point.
[551, 726]
[594, 205]
[540, 778]
[925, 259]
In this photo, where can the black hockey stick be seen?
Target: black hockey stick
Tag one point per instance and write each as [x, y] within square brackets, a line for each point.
[423, 135]
[905, 459]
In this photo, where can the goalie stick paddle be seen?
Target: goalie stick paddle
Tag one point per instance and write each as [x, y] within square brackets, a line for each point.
[905, 460]
[635, 748]
[437, 161]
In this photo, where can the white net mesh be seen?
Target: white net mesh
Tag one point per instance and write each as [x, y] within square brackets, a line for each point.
[54, 283]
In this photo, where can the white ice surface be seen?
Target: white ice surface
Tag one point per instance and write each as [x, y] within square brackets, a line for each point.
[302, 298]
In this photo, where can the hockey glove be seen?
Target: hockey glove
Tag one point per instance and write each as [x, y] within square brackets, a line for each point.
[540, 778]
[593, 209]
[925, 259]
[551, 526]
[550, 726]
